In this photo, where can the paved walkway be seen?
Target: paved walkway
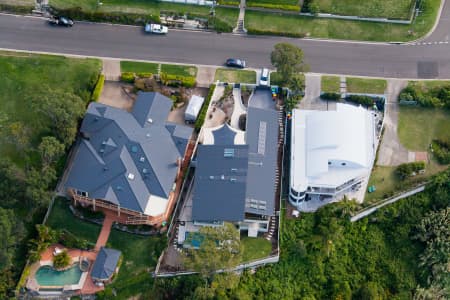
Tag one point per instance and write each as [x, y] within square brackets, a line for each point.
[205, 76]
[111, 69]
[104, 233]
[240, 23]
[392, 152]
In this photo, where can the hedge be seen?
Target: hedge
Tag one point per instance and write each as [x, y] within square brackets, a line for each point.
[98, 88]
[204, 109]
[219, 25]
[230, 3]
[331, 96]
[17, 9]
[274, 6]
[177, 80]
[404, 171]
[441, 150]
[360, 99]
[127, 77]
[278, 33]
[144, 75]
[77, 13]
[427, 97]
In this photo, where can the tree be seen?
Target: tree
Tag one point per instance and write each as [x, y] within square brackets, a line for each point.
[219, 249]
[61, 260]
[11, 233]
[46, 236]
[288, 59]
[63, 109]
[19, 135]
[50, 150]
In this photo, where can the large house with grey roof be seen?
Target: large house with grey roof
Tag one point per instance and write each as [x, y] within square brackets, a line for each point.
[236, 172]
[128, 162]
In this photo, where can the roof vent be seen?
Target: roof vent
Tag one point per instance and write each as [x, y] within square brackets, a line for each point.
[233, 179]
[228, 152]
[134, 149]
[233, 169]
[222, 177]
[119, 188]
[130, 176]
[104, 143]
[142, 159]
[148, 135]
[102, 151]
[105, 168]
[150, 120]
[96, 119]
[211, 177]
[145, 171]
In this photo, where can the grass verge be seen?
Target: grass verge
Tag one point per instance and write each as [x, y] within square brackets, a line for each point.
[363, 85]
[181, 70]
[255, 248]
[235, 76]
[291, 25]
[138, 67]
[330, 84]
[417, 127]
[392, 9]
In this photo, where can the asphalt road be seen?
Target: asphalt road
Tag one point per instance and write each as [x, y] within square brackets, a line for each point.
[384, 60]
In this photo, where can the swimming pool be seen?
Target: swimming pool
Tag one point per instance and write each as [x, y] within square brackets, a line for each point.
[48, 276]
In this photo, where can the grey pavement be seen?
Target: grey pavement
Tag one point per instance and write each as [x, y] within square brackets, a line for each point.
[111, 69]
[392, 152]
[206, 48]
[442, 30]
[114, 95]
[205, 76]
[312, 100]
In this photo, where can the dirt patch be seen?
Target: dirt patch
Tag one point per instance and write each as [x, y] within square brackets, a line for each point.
[116, 94]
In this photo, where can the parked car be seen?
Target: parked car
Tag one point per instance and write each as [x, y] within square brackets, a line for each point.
[264, 79]
[155, 28]
[61, 21]
[235, 63]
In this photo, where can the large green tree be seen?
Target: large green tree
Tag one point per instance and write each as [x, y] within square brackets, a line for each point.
[288, 59]
[50, 150]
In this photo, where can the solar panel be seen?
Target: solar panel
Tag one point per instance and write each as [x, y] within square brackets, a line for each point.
[262, 137]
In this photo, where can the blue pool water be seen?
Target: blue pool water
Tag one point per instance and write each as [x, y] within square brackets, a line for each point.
[47, 276]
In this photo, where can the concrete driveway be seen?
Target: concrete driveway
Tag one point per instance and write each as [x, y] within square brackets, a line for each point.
[114, 95]
[392, 152]
[311, 100]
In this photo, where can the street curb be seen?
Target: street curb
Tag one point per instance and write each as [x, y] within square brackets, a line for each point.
[436, 24]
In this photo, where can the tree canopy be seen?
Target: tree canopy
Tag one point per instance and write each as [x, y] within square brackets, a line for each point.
[288, 59]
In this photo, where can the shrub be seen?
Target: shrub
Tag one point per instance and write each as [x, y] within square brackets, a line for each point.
[331, 96]
[61, 260]
[441, 150]
[127, 77]
[360, 99]
[230, 3]
[98, 88]
[71, 241]
[204, 109]
[274, 6]
[219, 25]
[144, 75]
[278, 33]
[404, 171]
[177, 80]
[112, 17]
[435, 97]
[17, 9]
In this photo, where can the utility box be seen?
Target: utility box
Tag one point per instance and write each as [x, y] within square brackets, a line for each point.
[193, 109]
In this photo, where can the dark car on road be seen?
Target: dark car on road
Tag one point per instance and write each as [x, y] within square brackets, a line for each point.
[235, 63]
[61, 21]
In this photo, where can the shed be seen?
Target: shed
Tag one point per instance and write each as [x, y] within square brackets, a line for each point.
[105, 264]
[193, 108]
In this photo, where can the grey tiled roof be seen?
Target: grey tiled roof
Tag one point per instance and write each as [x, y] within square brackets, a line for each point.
[219, 183]
[118, 143]
[105, 264]
[262, 138]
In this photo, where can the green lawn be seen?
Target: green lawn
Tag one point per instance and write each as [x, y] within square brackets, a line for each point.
[140, 255]
[330, 84]
[254, 248]
[18, 2]
[363, 85]
[417, 127]
[62, 218]
[149, 7]
[393, 9]
[138, 67]
[235, 76]
[182, 70]
[23, 75]
[341, 29]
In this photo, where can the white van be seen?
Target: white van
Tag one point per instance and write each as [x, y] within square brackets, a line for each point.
[264, 79]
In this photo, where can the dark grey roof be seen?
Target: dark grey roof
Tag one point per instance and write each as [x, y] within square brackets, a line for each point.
[224, 135]
[119, 143]
[105, 264]
[219, 184]
[262, 138]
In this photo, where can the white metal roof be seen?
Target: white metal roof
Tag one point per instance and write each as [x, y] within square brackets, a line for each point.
[331, 147]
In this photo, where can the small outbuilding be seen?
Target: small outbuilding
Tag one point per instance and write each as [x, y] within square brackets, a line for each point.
[106, 264]
[193, 108]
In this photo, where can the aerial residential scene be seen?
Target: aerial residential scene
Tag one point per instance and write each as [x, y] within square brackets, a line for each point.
[225, 149]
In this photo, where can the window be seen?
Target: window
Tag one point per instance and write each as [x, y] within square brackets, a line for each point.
[81, 193]
[343, 164]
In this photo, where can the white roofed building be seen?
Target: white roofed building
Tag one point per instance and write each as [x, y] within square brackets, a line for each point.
[332, 153]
